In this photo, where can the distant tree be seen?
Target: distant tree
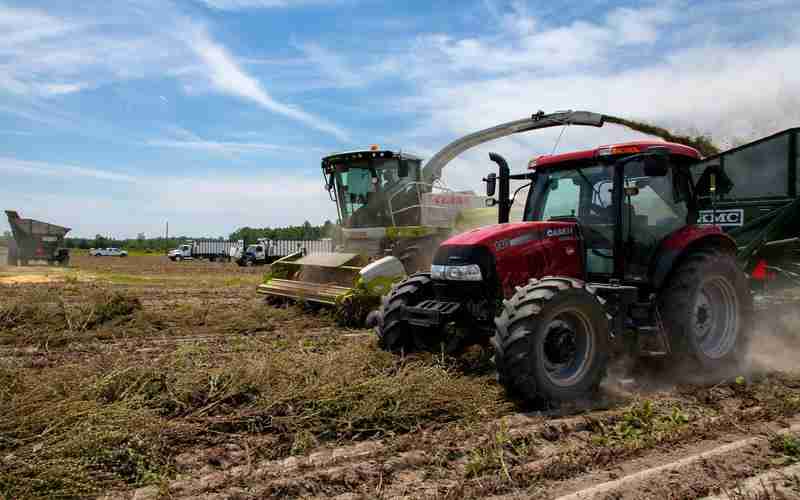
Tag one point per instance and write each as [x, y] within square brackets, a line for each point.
[100, 241]
[327, 229]
[141, 237]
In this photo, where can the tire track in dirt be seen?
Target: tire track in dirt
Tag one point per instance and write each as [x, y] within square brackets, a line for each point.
[436, 463]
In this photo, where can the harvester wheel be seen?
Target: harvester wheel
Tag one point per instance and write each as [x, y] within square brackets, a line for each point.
[551, 341]
[707, 310]
[396, 334]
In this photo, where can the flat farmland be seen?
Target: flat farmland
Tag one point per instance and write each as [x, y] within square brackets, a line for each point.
[142, 378]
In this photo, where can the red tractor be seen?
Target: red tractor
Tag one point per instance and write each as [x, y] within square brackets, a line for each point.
[608, 255]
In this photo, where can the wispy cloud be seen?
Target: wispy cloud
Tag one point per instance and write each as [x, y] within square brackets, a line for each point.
[46, 55]
[261, 4]
[333, 66]
[228, 77]
[16, 166]
[223, 147]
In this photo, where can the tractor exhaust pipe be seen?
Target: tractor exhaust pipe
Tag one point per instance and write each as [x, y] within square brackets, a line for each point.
[504, 188]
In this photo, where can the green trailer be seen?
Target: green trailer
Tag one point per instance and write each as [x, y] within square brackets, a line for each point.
[36, 241]
[753, 193]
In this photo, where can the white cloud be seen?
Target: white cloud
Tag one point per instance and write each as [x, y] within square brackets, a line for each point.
[215, 205]
[63, 88]
[16, 166]
[334, 66]
[260, 4]
[46, 55]
[223, 147]
[227, 76]
[655, 64]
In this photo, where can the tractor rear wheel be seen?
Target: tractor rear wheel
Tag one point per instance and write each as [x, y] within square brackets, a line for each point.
[707, 310]
[551, 341]
[396, 334]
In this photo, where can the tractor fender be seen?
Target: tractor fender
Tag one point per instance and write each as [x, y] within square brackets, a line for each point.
[690, 238]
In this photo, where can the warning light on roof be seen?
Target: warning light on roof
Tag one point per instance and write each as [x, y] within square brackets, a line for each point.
[374, 147]
[618, 150]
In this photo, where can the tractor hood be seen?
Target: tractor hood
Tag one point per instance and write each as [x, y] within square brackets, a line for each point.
[508, 254]
[503, 237]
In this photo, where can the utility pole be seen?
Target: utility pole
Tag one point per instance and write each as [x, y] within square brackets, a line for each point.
[166, 240]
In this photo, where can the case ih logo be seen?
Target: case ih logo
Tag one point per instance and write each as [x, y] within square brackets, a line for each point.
[724, 218]
[562, 231]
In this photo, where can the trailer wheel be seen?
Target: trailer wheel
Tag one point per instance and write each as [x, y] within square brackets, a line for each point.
[394, 333]
[551, 341]
[707, 310]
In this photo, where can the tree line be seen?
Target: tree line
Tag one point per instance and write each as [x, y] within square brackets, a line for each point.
[304, 232]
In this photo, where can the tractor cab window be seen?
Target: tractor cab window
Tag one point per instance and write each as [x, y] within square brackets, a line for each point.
[653, 208]
[583, 195]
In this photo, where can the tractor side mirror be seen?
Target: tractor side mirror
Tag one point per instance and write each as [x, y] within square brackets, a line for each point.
[491, 184]
[402, 169]
[329, 182]
[656, 161]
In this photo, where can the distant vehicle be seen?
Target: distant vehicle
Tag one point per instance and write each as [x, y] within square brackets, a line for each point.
[265, 251]
[108, 252]
[212, 250]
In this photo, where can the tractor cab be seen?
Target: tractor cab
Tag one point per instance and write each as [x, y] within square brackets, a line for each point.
[375, 188]
[624, 200]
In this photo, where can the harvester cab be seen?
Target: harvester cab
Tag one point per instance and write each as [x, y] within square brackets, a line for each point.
[609, 257]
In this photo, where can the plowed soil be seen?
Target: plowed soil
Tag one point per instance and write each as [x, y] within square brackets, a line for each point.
[143, 378]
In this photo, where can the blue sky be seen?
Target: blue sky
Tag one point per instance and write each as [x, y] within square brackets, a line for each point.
[116, 116]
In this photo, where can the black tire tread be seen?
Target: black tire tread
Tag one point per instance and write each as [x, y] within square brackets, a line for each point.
[675, 306]
[512, 337]
[393, 332]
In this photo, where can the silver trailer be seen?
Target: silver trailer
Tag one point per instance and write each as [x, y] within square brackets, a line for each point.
[212, 250]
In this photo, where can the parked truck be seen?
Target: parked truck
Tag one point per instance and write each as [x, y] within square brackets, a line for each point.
[265, 251]
[212, 250]
[36, 241]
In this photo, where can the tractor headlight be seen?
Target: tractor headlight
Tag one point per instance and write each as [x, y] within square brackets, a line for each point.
[470, 272]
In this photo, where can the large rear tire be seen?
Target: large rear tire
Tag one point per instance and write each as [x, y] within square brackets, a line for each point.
[551, 341]
[394, 333]
[707, 310]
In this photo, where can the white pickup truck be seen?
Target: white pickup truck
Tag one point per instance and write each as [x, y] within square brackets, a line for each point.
[108, 252]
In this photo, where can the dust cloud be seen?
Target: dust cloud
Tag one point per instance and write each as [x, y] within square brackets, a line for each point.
[775, 342]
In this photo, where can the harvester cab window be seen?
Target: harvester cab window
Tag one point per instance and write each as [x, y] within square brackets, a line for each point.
[366, 188]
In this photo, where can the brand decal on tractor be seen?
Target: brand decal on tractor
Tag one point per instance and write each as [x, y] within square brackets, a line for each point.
[724, 218]
[562, 231]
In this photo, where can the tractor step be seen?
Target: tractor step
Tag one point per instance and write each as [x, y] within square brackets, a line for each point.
[431, 313]
[321, 293]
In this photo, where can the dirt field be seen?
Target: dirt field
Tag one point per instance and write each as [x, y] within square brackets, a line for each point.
[142, 378]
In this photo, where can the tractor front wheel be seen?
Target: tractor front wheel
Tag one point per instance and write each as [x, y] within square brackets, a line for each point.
[396, 334]
[551, 341]
[707, 310]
